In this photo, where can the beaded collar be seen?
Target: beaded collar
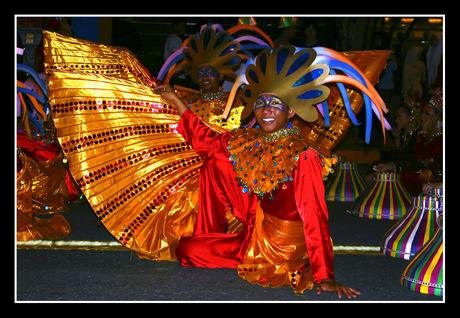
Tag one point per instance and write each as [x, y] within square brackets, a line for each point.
[211, 96]
[280, 134]
[210, 110]
[263, 161]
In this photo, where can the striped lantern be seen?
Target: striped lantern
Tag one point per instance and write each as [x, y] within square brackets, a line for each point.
[415, 229]
[437, 192]
[425, 271]
[346, 184]
[384, 198]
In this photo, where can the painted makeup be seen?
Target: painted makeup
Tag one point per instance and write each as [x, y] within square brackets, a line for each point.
[207, 71]
[269, 100]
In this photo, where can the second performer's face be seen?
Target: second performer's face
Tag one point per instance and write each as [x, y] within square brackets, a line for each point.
[208, 78]
[272, 114]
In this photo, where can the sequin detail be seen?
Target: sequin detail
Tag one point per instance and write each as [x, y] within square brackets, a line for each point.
[264, 162]
[210, 107]
[99, 104]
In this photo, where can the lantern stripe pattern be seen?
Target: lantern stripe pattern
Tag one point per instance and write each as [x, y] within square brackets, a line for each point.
[384, 198]
[346, 184]
[414, 230]
[425, 271]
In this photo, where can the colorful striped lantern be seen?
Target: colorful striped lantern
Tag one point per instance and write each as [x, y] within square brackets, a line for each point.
[384, 198]
[346, 184]
[437, 192]
[425, 271]
[415, 229]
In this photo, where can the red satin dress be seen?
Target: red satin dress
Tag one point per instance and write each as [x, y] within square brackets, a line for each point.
[299, 202]
[211, 246]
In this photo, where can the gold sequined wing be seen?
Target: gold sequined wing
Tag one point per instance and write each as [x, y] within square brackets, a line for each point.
[138, 174]
[69, 53]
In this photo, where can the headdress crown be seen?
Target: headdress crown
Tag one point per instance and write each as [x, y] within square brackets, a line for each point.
[214, 49]
[290, 75]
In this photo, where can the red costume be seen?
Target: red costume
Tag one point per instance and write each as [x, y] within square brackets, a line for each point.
[211, 246]
[300, 199]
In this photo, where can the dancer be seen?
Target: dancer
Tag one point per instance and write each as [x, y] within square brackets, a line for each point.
[140, 175]
[42, 181]
[209, 57]
[277, 164]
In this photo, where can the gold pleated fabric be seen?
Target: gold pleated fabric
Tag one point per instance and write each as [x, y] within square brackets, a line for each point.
[68, 53]
[277, 255]
[30, 199]
[49, 189]
[137, 172]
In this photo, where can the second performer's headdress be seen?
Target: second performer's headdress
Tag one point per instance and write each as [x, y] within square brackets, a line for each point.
[215, 47]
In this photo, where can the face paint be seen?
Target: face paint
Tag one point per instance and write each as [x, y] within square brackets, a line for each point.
[207, 71]
[271, 113]
[269, 100]
[208, 79]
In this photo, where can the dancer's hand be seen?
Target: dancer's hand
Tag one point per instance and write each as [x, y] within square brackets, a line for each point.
[332, 286]
[170, 95]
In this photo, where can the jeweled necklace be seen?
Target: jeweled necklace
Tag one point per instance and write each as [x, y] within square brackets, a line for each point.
[280, 134]
[264, 161]
[211, 96]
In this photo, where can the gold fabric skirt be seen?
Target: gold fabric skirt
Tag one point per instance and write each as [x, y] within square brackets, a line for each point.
[40, 186]
[277, 255]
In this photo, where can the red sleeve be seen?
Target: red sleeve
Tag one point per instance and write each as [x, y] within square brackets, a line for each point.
[204, 140]
[309, 194]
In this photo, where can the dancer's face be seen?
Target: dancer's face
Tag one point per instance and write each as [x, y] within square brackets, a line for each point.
[272, 114]
[208, 78]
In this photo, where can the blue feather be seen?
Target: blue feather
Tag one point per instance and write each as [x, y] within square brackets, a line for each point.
[31, 93]
[346, 100]
[313, 93]
[229, 49]
[35, 76]
[253, 75]
[327, 121]
[281, 59]
[344, 67]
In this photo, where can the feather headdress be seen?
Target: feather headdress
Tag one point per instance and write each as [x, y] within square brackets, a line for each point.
[298, 75]
[215, 47]
[38, 100]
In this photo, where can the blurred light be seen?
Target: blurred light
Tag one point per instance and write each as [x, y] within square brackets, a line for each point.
[433, 20]
[407, 20]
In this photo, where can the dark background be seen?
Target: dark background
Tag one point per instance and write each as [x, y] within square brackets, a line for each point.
[145, 36]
